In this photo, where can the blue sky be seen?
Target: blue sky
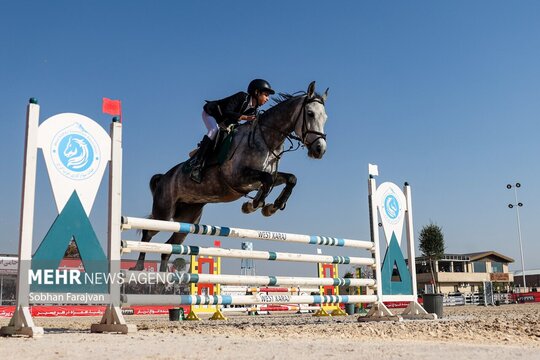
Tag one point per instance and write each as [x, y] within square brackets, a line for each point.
[443, 95]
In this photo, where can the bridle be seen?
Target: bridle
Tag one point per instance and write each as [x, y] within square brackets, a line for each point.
[305, 130]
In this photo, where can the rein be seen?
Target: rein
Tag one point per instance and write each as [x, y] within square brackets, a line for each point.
[287, 136]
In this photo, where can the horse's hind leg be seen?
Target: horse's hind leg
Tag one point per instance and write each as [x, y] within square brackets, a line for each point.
[163, 208]
[266, 180]
[281, 201]
[190, 213]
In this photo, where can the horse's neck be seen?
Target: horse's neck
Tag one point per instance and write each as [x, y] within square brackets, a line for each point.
[280, 123]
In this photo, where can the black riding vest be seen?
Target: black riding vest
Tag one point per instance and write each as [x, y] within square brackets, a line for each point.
[227, 111]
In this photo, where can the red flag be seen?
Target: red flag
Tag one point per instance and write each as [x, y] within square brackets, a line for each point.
[112, 107]
[217, 243]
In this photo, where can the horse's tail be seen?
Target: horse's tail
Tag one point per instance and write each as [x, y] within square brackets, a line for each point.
[154, 182]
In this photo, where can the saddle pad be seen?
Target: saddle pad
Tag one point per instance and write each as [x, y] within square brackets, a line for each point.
[216, 158]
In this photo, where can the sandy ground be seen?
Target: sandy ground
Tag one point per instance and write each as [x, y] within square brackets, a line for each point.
[466, 332]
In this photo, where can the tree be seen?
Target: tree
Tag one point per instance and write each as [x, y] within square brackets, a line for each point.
[72, 250]
[431, 243]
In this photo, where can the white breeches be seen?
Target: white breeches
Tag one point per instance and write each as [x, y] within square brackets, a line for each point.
[211, 125]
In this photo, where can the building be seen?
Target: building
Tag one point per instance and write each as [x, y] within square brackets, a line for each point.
[466, 273]
[532, 278]
[8, 278]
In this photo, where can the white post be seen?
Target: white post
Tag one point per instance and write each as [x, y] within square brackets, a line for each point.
[113, 320]
[115, 208]
[21, 323]
[414, 310]
[374, 224]
[410, 238]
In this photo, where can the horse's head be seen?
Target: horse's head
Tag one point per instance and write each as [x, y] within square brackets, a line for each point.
[310, 125]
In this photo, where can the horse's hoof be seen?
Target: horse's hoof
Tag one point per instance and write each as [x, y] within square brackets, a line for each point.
[280, 206]
[269, 210]
[136, 268]
[247, 208]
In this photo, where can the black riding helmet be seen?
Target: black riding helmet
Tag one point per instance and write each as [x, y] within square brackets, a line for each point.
[261, 85]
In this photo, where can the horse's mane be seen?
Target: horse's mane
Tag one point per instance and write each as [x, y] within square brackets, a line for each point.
[285, 97]
[282, 97]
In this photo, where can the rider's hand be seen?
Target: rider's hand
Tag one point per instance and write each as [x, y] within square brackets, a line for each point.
[248, 117]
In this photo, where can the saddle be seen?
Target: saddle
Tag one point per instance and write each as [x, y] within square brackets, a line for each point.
[218, 154]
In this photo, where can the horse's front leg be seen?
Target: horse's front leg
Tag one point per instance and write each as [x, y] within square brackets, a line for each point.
[281, 201]
[266, 180]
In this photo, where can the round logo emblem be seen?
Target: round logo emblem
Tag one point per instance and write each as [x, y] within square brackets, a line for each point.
[75, 153]
[391, 207]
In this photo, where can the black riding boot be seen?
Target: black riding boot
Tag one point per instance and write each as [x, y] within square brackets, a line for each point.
[200, 159]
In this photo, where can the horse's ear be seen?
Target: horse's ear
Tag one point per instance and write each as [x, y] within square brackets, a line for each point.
[311, 90]
[325, 95]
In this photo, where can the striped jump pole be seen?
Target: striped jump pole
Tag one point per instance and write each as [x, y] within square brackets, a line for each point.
[275, 289]
[199, 229]
[247, 299]
[187, 278]
[137, 246]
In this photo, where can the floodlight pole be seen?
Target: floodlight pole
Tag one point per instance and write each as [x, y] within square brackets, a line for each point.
[518, 205]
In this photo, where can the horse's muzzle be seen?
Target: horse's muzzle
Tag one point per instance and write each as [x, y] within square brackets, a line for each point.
[317, 149]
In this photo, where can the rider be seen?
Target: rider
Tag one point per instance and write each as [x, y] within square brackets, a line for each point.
[228, 111]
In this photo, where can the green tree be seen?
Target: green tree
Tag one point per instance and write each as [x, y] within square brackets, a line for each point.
[431, 243]
[72, 251]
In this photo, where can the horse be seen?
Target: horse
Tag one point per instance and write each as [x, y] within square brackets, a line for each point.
[252, 164]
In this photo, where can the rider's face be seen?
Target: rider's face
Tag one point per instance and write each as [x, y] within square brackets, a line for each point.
[263, 97]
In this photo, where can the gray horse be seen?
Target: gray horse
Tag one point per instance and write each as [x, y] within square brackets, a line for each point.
[252, 164]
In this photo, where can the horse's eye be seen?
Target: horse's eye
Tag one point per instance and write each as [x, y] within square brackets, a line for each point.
[311, 113]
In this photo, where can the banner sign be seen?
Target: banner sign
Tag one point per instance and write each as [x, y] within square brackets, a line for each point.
[76, 151]
[391, 203]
